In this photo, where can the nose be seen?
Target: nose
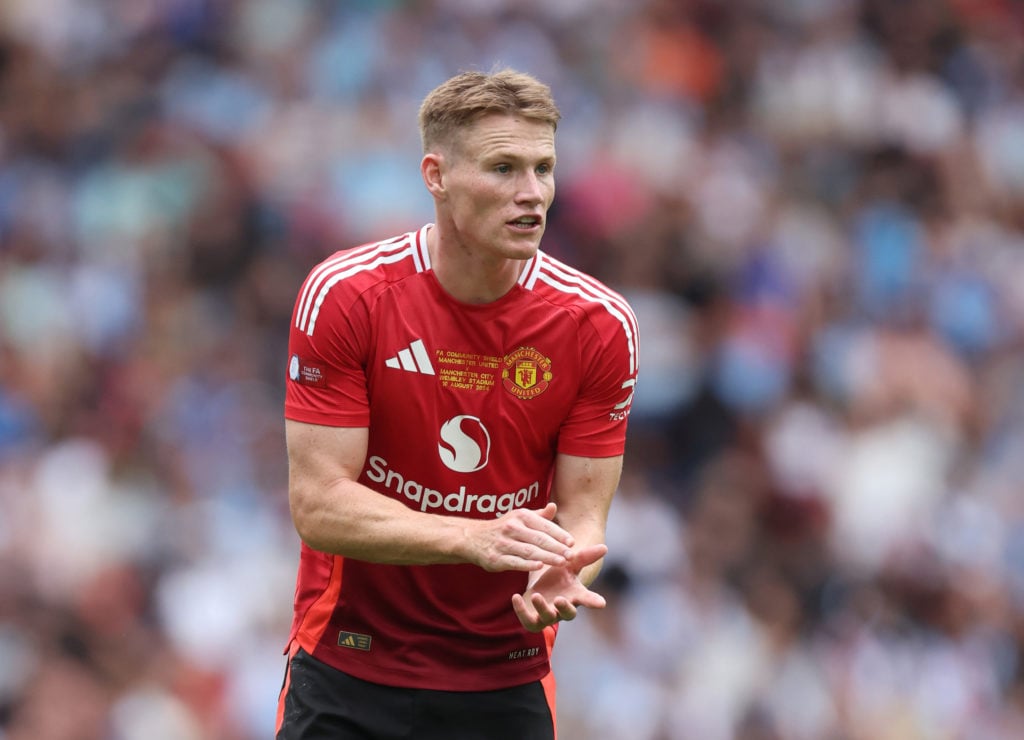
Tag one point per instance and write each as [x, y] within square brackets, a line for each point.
[530, 189]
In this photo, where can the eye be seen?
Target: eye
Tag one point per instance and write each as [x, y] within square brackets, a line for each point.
[504, 169]
[544, 169]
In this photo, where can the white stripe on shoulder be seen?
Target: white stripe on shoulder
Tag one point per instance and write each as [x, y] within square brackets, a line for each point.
[577, 276]
[343, 272]
[570, 280]
[315, 279]
[329, 274]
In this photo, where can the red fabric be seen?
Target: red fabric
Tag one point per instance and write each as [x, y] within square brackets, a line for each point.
[467, 406]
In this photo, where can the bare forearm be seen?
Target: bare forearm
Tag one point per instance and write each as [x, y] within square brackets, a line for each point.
[350, 519]
[584, 488]
[589, 574]
[347, 518]
[585, 536]
[336, 514]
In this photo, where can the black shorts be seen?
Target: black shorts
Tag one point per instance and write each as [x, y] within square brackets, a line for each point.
[319, 702]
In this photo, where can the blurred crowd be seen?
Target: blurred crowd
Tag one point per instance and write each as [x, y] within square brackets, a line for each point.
[816, 208]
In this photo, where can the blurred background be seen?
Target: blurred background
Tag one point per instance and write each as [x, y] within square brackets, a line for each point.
[816, 208]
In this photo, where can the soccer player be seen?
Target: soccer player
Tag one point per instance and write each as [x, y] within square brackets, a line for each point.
[456, 413]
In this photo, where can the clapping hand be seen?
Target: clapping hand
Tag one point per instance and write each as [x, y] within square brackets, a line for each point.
[556, 592]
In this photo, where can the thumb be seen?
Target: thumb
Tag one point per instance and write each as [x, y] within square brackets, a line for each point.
[549, 511]
[592, 600]
[586, 555]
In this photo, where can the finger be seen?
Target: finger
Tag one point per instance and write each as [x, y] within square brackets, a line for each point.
[565, 609]
[518, 536]
[523, 557]
[537, 544]
[522, 608]
[591, 600]
[534, 559]
[544, 522]
[586, 555]
[546, 611]
[526, 614]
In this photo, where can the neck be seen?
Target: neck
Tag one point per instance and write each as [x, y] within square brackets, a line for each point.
[467, 276]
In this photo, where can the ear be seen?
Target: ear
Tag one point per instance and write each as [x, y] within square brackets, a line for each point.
[432, 169]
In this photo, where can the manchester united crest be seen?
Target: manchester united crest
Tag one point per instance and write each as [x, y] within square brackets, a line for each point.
[526, 373]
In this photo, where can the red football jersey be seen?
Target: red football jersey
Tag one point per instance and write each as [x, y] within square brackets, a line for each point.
[466, 406]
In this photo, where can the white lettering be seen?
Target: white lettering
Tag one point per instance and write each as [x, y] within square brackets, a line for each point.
[378, 468]
[455, 501]
[397, 478]
[523, 653]
[628, 384]
[460, 501]
[432, 500]
[412, 490]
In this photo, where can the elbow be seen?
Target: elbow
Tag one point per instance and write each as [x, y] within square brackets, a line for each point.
[308, 520]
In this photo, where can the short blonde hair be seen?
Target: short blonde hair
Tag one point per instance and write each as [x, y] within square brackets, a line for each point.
[462, 99]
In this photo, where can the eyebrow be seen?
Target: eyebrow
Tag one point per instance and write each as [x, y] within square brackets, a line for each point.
[510, 156]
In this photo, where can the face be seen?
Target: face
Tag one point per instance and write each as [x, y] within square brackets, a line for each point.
[498, 185]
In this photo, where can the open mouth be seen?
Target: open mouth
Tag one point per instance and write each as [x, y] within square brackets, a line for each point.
[525, 223]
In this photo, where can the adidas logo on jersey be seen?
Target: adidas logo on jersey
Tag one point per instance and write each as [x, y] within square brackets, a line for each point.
[354, 640]
[413, 358]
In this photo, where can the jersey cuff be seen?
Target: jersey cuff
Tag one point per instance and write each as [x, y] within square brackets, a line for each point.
[612, 449]
[309, 416]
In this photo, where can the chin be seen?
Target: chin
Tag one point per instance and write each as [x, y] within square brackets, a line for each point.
[522, 248]
[521, 251]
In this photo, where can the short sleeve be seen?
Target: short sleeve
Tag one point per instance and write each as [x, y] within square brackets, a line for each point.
[596, 424]
[326, 377]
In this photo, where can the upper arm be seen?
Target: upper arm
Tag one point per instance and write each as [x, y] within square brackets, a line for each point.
[583, 489]
[318, 458]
